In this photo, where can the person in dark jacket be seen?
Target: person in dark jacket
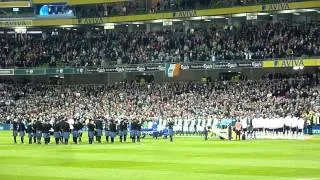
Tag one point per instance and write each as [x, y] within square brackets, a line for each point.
[21, 129]
[76, 129]
[170, 128]
[91, 127]
[113, 130]
[66, 132]
[39, 131]
[30, 132]
[133, 129]
[34, 132]
[107, 130]
[56, 131]
[205, 132]
[229, 132]
[139, 125]
[46, 132]
[99, 128]
[123, 130]
[14, 131]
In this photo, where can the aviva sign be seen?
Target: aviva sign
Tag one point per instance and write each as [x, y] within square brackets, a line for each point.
[184, 14]
[288, 63]
[275, 7]
[283, 63]
[90, 21]
[21, 23]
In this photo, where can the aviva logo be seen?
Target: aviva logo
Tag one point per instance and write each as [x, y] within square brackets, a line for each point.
[184, 14]
[275, 7]
[288, 63]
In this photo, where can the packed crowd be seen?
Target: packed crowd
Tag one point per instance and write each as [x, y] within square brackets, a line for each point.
[184, 100]
[100, 48]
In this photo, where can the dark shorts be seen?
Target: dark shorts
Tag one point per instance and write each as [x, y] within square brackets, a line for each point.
[14, 133]
[90, 134]
[99, 132]
[133, 133]
[39, 134]
[30, 135]
[123, 133]
[238, 132]
[113, 134]
[66, 135]
[170, 132]
[75, 134]
[45, 135]
[56, 135]
[107, 133]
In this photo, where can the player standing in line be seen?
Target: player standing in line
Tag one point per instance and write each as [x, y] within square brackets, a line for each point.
[38, 131]
[66, 132]
[138, 130]
[205, 132]
[14, 131]
[99, 128]
[56, 131]
[75, 133]
[113, 130]
[133, 130]
[107, 130]
[21, 129]
[29, 131]
[91, 128]
[170, 128]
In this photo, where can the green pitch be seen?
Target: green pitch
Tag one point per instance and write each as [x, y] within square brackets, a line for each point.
[185, 158]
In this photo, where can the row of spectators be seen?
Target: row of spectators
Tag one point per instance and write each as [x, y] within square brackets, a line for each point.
[99, 48]
[295, 96]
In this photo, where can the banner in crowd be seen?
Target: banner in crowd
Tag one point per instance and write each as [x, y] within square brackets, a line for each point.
[183, 67]
[184, 14]
[90, 21]
[20, 23]
[6, 72]
[173, 70]
[282, 63]
[38, 71]
[275, 7]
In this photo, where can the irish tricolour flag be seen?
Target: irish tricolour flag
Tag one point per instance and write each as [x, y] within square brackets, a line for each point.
[173, 70]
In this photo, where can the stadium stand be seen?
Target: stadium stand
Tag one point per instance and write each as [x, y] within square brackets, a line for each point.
[292, 95]
[100, 48]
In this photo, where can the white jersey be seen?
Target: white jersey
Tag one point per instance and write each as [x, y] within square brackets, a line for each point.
[244, 123]
[300, 123]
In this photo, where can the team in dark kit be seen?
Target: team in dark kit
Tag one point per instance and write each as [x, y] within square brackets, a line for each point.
[61, 130]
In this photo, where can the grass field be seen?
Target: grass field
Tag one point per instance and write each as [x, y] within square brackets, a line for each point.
[185, 158]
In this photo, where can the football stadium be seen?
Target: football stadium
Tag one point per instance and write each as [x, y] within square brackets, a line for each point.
[160, 89]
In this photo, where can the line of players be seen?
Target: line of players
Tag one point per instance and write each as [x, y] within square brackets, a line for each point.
[62, 130]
